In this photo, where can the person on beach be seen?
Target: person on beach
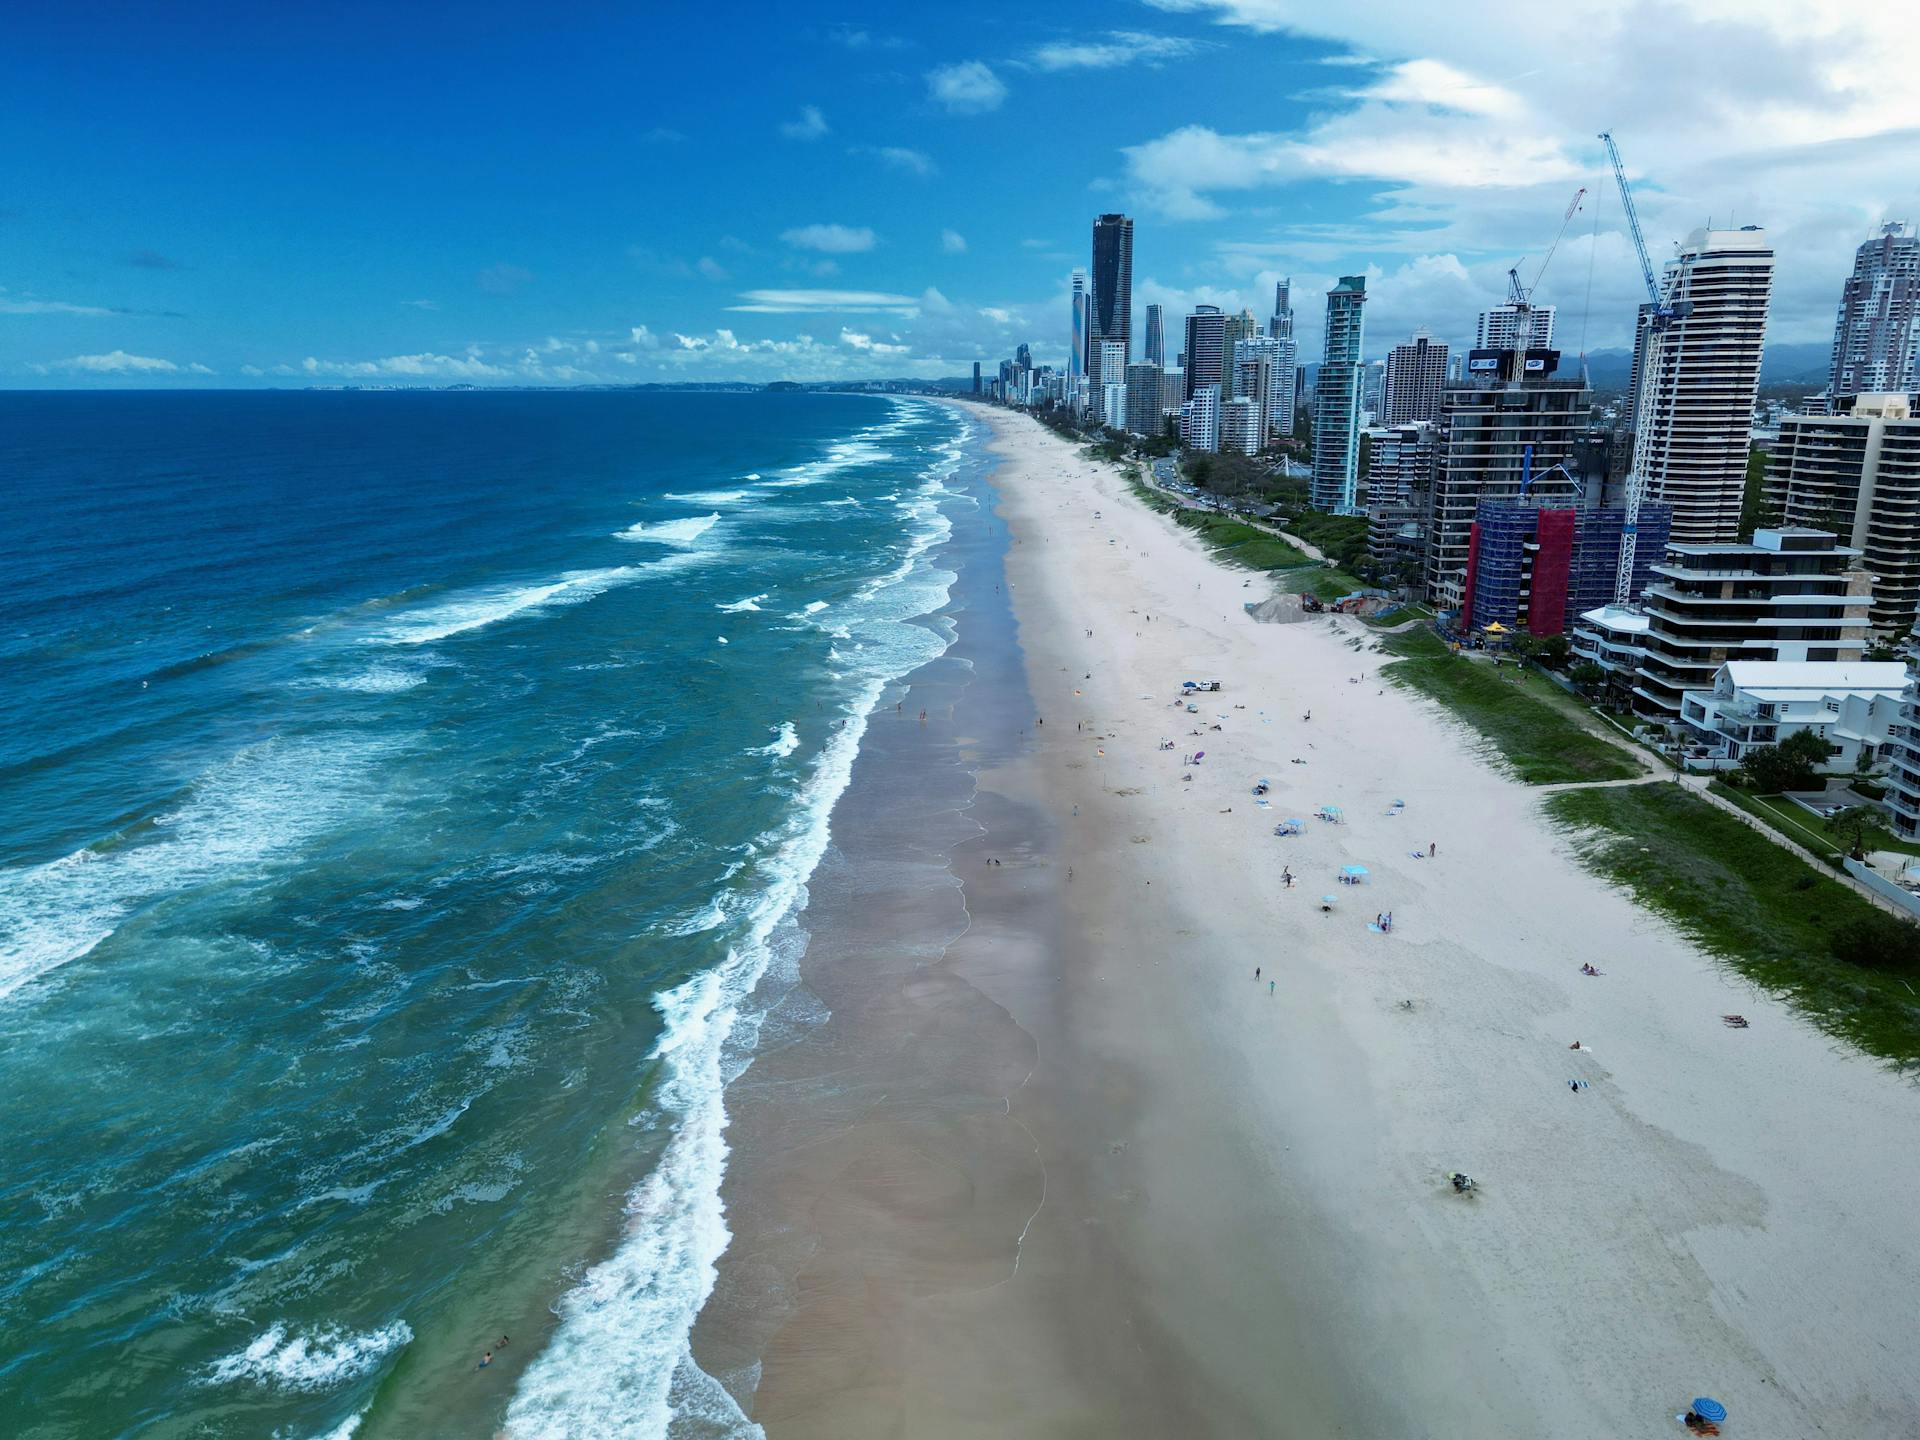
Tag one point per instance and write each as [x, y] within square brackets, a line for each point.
[1433, 848]
[1269, 987]
[485, 1360]
[1256, 972]
[503, 1343]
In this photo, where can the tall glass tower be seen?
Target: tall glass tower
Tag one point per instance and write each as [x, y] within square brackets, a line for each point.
[1336, 400]
[1112, 292]
[1077, 359]
[1156, 348]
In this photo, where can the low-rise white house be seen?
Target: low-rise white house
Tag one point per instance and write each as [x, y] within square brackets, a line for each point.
[1614, 638]
[1853, 705]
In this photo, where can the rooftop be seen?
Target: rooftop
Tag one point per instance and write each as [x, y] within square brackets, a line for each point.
[1618, 620]
[1791, 679]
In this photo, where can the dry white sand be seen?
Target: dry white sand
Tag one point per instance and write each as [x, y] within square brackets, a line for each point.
[1724, 1212]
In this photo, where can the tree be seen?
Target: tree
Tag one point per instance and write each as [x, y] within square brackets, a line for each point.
[1587, 675]
[1852, 826]
[1794, 764]
[1555, 651]
[1754, 513]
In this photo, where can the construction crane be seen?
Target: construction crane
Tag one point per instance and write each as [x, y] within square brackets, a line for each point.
[1659, 316]
[1522, 295]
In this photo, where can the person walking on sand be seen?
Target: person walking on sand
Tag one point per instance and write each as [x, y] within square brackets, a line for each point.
[1256, 972]
[1269, 988]
[1433, 848]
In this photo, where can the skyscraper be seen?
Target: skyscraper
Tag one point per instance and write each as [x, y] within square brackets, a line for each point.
[1077, 357]
[1257, 374]
[1858, 474]
[1875, 335]
[1239, 327]
[1110, 396]
[1515, 327]
[1280, 327]
[976, 377]
[1336, 399]
[1492, 426]
[1287, 397]
[1416, 381]
[1206, 348]
[1112, 292]
[1703, 374]
[1143, 398]
[1156, 348]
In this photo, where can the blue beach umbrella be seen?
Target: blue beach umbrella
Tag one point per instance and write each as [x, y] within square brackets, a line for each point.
[1353, 872]
[1707, 1408]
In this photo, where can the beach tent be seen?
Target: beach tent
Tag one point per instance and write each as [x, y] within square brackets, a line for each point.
[1289, 827]
[1330, 812]
[1353, 874]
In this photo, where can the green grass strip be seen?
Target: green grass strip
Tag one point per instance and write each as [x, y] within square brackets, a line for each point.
[1741, 897]
[1534, 726]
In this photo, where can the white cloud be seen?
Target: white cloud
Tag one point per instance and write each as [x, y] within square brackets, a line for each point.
[1475, 129]
[810, 126]
[953, 242]
[796, 302]
[118, 362]
[899, 157]
[831, 239]
[1119, 47]
[420, 304]
[10, 305]
[967, 88]
[711, 268]
[858, 340]
[644, 338]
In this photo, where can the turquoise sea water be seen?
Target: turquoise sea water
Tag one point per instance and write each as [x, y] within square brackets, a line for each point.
[407, 800]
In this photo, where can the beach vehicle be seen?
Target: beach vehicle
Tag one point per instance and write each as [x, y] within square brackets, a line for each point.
[1197, 686]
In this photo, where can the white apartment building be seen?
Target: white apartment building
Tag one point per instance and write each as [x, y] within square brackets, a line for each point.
[1515, 327]
[1241, 430]
[1614, 637]
[1200, 419]
[1853, 707]
[1704, 371]
[1416, 381]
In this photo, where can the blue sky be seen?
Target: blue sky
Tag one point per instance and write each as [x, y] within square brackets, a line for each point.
[223, 195]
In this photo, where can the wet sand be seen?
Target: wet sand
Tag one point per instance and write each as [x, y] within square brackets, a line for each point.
[1058, 1164]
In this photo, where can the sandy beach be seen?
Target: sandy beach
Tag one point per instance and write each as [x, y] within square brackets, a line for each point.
[1087, 1176]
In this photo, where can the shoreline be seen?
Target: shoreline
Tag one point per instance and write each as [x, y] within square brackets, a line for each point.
[1244, 1226]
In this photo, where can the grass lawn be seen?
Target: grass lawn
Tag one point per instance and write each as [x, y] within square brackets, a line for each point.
[1743, 898]
[1534, 726]
[1803, 829]
[1316, 579]
[1239, 543]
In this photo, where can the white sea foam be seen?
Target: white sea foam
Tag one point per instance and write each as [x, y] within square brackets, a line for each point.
[710, 497]
[380, 680]
[784, 743]
[345, 1430]
[813, 607]
[258, 806]
[752, 602]
[620, 1364]
[470, 611]
[754, 476]
[683, 531]
[281, 1360]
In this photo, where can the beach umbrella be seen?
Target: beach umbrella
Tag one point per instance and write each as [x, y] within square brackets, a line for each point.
[1707, 1408]
[1326, 899]
[1356, 871]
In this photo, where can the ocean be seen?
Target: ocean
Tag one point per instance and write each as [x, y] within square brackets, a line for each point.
[409, 801]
